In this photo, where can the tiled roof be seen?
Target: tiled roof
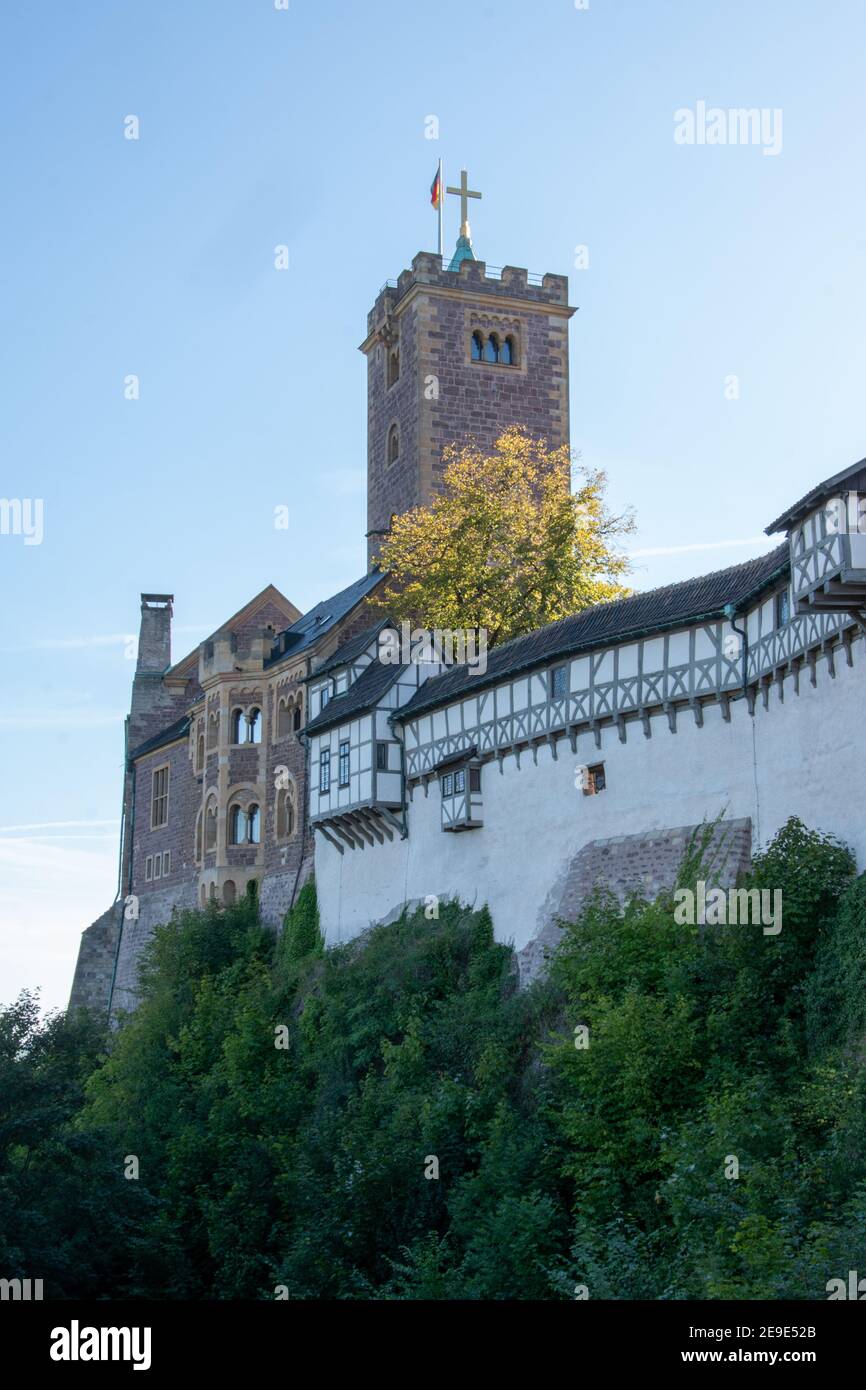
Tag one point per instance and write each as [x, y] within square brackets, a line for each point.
[308, 629]
[363, 695]
[168, 735]
[855, 475]
[604, 625]
[351, 648]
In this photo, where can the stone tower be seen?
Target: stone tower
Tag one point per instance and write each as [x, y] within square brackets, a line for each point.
[457, 354]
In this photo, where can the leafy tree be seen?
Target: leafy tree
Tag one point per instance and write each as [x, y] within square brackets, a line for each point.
[506, 546]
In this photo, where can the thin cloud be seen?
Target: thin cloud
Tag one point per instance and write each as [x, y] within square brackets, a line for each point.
[59, 721]
[699, 545]
[55, 825]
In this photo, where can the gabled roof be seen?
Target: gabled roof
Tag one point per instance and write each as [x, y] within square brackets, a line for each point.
[855, 476]
[270, 594]
[320, 619]
[366, 692]
[657, 610]
[177, 730]
[351, 648]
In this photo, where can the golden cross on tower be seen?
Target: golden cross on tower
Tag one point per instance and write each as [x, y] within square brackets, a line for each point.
[464, 193]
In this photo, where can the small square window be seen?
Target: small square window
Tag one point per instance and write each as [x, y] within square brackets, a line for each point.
[448, 784]
[559, 682]
[595, 781]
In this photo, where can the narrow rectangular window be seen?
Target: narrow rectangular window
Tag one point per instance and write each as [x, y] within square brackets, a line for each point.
[325, 770]
[459, 782]
[783, 608]
[148, 868]
[159, 798]
[324, 696]
[157, 865]
[559, 682]
[166, 863]
[475, 779]
[382, 757]
[448, 785]
[344, 764]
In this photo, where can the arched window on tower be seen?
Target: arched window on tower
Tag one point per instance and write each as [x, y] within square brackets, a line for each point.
[254, 726]
[477, 347]
[491, 350]
[238, 726]
[210, 827]
[297, 716]
[253, 825]
[237, 826]
[229, 892]
[285, 819]
[284, 718]
[393, 444]
[393, 366]
[199, 753]
[508, 355]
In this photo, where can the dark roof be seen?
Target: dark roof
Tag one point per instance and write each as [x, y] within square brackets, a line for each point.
[169, 735]
[604, 625]
[353, 647]
[321, 619]
[363, 695]
[856, 474]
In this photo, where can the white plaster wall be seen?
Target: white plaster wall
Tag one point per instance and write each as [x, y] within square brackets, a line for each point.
[802, 756]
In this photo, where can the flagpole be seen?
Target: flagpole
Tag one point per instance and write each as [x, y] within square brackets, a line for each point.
[441, 201]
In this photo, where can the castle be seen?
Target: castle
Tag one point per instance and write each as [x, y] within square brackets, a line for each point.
[584, 752]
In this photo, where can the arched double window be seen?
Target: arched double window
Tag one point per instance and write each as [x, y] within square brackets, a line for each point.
[289, 715]
[244, 825]
[247, 726]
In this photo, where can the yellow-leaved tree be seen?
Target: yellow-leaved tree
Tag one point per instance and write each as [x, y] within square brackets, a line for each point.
[506, 546]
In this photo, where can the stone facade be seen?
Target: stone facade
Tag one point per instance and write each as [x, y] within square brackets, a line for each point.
[181, 742]
[627, 865]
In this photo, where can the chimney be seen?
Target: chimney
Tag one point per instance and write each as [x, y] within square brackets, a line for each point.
[154, 641]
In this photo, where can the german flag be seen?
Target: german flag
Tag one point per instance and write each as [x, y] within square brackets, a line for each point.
[436, 190]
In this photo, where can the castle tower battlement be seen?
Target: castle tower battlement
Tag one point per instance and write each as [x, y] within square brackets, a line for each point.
[454, 356]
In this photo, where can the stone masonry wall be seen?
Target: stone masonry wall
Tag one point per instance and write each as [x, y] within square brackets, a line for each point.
[91, 984]
[633, 864]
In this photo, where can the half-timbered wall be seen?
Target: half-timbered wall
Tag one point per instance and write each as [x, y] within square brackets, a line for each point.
[679, 740]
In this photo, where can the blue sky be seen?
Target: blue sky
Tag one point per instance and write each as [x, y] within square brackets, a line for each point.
[261, 127]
